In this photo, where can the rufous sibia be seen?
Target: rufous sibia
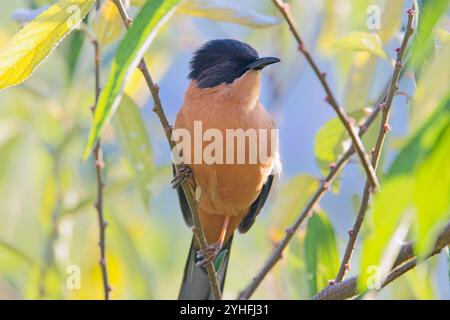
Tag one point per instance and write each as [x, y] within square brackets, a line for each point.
[223, 95]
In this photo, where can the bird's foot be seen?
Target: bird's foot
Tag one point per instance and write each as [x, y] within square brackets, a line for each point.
[184, 173]
[208, 254]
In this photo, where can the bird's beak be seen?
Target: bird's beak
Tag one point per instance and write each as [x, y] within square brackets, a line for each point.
[261, 63]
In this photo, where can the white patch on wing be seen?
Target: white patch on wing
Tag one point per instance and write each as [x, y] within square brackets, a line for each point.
[277, 167]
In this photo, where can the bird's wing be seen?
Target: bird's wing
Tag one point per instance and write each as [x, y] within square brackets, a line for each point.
[256, 206]
[185, 210]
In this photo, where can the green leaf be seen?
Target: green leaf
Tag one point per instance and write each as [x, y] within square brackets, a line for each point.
[75, 44]
[388, 209]
[138, 38]
[122, 238]
[362, 41]
[423, 43]
[8, 130]
[332, 141]
[418, 182]
[16, 251]
[136, 144]
[220, 10]
[107, 23]
[34, 42]
[391, 20]
[227, 11]
[431, 192]
[329, 144]
[432, 86]
[321, 255]
[421, 143]
[292, 197]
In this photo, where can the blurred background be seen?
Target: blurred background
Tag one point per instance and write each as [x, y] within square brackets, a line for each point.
[47, 218]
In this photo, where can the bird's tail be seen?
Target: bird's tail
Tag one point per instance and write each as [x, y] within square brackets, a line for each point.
[195, 285]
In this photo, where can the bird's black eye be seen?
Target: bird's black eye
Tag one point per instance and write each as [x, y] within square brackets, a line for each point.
[231, 63]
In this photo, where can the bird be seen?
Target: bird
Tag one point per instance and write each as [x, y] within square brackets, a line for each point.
[223, 95]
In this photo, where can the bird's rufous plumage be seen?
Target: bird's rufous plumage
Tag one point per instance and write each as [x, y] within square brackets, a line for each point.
[222, 96]
[227, 189]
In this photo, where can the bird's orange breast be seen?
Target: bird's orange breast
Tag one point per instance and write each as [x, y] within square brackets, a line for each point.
[227, 188]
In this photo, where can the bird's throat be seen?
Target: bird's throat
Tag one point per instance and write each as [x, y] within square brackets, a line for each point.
[242, 93]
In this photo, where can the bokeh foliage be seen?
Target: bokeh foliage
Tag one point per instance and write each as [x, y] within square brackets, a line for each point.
[47, 219]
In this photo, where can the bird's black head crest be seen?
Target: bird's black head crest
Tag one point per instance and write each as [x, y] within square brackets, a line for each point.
[221, 61]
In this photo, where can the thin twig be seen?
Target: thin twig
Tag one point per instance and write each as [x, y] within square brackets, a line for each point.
[315, 199]
[383, 130]
[405, 261]
[187, 188]
[99, 166]
[330, 98]
[335, 169]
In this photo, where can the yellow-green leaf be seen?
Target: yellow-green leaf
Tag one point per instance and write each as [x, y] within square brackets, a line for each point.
[390, 20]
[431, 12]
[321, 255]
[332, 140]
[432, 86]
[330, 143]
[227, 11]
[417, 183]
[292, 197]
[132, 48]
[134, 140]
[33, 43]
[362, 41]
[107, 24]
[443, 36]
[361, 78]
[388, 210]
[431, 192]
[137, 2]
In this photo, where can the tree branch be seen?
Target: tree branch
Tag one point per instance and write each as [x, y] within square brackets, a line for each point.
[313, 202]
[346, 121]
[405, 261]
[335, 169]
[315, 199]
[383, 130]
[187, 187]
[99, 166]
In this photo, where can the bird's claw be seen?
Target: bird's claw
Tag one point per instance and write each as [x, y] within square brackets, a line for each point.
[184, 173]
[208, 254]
